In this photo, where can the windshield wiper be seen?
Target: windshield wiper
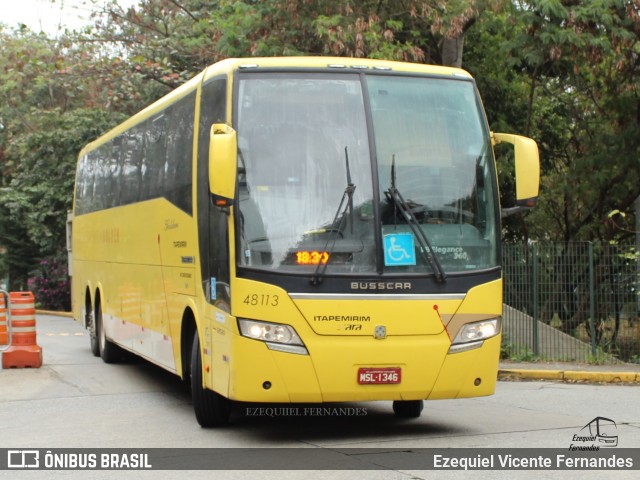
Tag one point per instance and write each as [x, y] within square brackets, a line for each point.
[347, 197]
[429, 254]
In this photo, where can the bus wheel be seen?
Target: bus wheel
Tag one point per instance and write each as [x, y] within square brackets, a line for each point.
[212, 409]
[109, 351]
[93, 337]
[408, 408]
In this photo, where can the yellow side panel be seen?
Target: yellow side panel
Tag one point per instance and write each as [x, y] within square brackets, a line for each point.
[142, 258]
[217, 330]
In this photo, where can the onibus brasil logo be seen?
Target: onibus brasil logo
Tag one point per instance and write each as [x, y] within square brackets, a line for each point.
[599, 433]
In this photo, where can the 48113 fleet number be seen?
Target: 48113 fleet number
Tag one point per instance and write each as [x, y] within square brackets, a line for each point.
[261, 300]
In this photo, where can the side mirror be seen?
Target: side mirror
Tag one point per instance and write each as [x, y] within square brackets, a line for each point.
[223, 160]
[527, 160]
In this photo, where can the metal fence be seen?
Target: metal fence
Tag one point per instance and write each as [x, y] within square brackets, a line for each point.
[571, 302]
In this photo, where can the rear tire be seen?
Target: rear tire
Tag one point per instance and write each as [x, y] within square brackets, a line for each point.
[211, 408]
[408, 408]
[109, 351]
[91, 326]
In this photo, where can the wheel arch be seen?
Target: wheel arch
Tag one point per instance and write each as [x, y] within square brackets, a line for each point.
[98, 298]
[188, 327]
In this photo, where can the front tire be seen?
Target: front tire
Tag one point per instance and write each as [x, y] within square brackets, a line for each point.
[408, 408]
[211, 408]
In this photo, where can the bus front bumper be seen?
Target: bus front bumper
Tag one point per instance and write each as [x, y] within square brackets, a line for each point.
[330, 372]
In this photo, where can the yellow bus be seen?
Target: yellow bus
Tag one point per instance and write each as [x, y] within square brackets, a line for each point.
[300, 230]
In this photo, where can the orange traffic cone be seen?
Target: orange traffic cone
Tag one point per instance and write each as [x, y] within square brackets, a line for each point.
[24, 351]
[4, 334]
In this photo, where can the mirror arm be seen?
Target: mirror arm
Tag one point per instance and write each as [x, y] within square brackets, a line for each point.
[507, 212]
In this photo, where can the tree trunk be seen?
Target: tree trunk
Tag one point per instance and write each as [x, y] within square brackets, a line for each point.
[452, 51]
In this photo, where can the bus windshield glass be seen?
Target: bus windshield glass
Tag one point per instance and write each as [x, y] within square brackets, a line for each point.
[314, 196]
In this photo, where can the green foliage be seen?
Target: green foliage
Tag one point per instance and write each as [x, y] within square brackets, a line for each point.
[50, 284]
[55, 97]
[599, 358]
[33, 204]
[582, 62]
[572, 84]
[183, 37]
[516, 353]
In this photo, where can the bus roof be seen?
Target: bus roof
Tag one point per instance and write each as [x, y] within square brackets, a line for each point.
[332, 63]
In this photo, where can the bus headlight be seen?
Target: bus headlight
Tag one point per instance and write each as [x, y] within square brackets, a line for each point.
[472, 335]
[277, 336]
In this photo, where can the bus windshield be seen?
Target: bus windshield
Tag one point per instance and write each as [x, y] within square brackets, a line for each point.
[319, 180]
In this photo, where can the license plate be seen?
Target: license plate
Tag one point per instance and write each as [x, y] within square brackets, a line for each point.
[379, 376]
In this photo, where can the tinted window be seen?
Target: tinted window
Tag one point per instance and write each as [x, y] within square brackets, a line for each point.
[151, 160]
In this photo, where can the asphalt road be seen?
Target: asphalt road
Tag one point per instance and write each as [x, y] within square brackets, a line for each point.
[76, 401]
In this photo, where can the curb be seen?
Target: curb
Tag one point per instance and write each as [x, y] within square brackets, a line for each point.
[570, 376]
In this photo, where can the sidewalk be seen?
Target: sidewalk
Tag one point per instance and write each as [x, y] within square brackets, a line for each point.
[570, 372]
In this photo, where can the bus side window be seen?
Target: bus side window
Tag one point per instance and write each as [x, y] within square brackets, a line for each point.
[178, 166]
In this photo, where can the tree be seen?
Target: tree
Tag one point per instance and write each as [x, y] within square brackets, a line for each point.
[170, 40]
[583, 63]
[47, 116]
[566, 74]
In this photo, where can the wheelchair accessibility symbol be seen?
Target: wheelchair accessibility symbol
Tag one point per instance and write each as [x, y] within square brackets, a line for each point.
[399, 250]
